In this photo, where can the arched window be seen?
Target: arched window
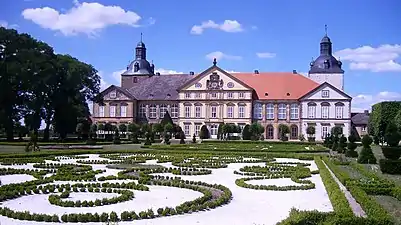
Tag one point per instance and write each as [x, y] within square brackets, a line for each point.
[257, 111]
[269, 111]
[294, 132]
[152, 111]
[282, 111]
[142, 111]
[163, 110]
[174, 111]
[269, 132]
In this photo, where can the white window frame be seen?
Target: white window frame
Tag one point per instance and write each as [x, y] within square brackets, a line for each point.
[162, 110]
[187, 129]
[174, 110]
[142, 111]
[198, 111]
[230, 111]
[112, 111]
[241, 95]
[311, 111]
[282, 111]
[101, 111]
[214, 129]
[123, 110]
[257, 111]
[187, 111]
[270, 111]
[339, 112]
[197, 129]
[230, 95]
[325, 111]
[213, 111]
[294, 112]
[241, 111]
[325, 94]
[213, 95]
[198, 95]
[113, 94]
[187, 95]
[325, 131]
[152, 111]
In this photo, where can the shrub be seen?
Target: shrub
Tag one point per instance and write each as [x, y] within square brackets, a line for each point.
[392, 137]
[116, 139]
[65, 194]
[283, 131]
[246, 133]
[194, 139]
[204, 133]
[182, 137]
[342, 144]
[351, 146]
[311, 131]
[390, 166]
[366, 155]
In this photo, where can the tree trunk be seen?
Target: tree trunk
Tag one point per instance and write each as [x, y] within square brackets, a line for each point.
[9, 124]
[46, 132]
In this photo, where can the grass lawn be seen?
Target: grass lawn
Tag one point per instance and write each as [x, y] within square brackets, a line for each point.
[392, 205]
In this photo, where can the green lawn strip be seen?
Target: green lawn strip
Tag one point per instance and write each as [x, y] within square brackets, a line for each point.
[391, 204]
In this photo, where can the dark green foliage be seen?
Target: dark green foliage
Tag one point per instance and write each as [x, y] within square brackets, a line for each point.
[220, 135]
[283, 131]
[168, 130]
[342, 145]
[311, 132]
[148, 136]
[204, 133]
[134, 130]
[166, 120]
[246, 133]
[382, 114]
[392, 135]
[194, 139]
[390, 166]
[116, 139]
[351, 146]
[182, 137]
[366, 155]
[256, 131]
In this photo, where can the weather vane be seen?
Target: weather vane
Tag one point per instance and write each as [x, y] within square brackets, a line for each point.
[325, 29]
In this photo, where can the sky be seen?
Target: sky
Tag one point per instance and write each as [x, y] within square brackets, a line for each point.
[183, 36]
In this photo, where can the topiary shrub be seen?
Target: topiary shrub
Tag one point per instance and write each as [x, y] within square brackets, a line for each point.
[390, 166]
[182, 137]
[342, 144]
[204, 133]
[366, 155]
[116, 139]
[392, 136]
[65, 194]
[351, 146]
[194, 139]
[311, 131]
[246, 133]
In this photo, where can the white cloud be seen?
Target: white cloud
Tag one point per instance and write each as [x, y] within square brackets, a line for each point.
[87, 18]
[254, 27]
[230, 26]
[220, 55]
[380, 59]
[167, 71]
[266, 55]
[5, 24]
[362, 102]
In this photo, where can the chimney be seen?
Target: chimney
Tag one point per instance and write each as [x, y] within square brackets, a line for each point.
[191, 73]
[294, 71]
[366, 112]
[256, 71]
[157, 73]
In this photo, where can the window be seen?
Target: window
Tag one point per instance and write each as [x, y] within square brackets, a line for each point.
[135, 80]
[214, 95]
[213, 129]
[113, 94]
[294, 112]
[187, 129]
[282, 112]
[162, 110]
[241, 127]
[364, 128]
[270, 132]
[294, 132]
[230, 111]
[325, 131]
[142, 111]
[241, 111]
[325, 111]
[339, 112]
[214, 112]
[197, 111]
[230, 95]
[152, 111]
[198, 95]
[269, 111]
[325, 94]
[112, 111]
[123, 111]
[311, 110]
[187, 111]
[101, 111]
[257, 114]
[241, 95]
[174, 111]
[187, 95]
[197, 129]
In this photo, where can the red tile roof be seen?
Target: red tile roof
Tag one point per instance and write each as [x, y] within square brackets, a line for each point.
[278, 85]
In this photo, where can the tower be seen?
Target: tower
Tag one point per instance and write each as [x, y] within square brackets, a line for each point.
[326, 68]
[139, 69]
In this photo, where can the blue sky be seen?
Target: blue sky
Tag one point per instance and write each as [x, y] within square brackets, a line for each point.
[104, 33]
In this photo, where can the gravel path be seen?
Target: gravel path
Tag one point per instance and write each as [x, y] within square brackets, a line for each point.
[356, 208]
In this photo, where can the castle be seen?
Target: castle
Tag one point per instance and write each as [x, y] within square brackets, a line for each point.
[216, 96]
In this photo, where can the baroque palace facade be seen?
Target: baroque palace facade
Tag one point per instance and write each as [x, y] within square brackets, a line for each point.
[215, 96]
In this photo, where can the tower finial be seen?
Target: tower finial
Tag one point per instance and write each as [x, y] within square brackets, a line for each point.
[325, 29]
[141, 36]
[214, 61]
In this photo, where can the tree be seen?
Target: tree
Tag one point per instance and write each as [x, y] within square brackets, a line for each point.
[32, 146]
[392, 137]
[366, 155]
[194, 139]
[382, 114]
[397, 120]
[283, 131]
[311, 132]
[122, 127]
[168, 129]
[256, 131]
[166, 120]
[246, 133]
[220, 135]
[93, 131]
[342, 144]
[204, 133]
[182, 137]
[350, 152]
[116, 139]
[134, 129]
[108, 128]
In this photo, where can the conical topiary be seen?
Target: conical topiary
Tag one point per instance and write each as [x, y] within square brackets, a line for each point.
[366, 156]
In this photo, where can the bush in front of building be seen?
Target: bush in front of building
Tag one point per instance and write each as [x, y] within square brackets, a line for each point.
[116, 139]
[311, 132]
[392, 137]
[366, 155]
[246, 133]
[351, 146]
[182, 137]
[284, 130]
[390, 166]
[204, 133]
[256, 131]
[342, 145]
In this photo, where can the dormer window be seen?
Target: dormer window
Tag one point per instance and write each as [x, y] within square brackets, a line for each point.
[113, 94]
[325, 94]
[135, 79]
[326, 64]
